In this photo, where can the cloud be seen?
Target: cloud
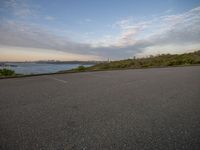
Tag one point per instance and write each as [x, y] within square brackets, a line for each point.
[88, 20]
[127, 34]
[49, 18]
[164, 34]
[176, 30]
[31, 35]
[20, 8]
[168, 11]
[10, 53]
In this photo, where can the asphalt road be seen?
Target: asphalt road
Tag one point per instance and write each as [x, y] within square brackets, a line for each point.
[132, 109]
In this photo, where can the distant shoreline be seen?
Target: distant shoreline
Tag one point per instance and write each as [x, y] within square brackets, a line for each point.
[159, 61]
[27, 68]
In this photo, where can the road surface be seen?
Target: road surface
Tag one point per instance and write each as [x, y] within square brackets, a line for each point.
[131, 109]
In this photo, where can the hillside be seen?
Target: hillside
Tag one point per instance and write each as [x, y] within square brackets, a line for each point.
[163, 60]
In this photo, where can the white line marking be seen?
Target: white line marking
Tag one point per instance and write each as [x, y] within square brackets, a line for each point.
[63, 81]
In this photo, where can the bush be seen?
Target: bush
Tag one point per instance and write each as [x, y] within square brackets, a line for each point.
[7, 72]
[81, 68]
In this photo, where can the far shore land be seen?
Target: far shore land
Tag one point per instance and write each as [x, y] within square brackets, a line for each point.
[164, 60]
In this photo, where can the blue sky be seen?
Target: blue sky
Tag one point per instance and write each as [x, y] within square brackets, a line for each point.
[97, 30]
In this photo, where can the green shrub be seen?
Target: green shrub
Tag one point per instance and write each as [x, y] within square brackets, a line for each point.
[81, 68]
[7, 72]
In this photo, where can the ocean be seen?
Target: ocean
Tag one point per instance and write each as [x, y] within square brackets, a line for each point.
[39, 68]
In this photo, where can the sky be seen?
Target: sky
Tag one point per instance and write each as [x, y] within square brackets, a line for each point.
[97, 29]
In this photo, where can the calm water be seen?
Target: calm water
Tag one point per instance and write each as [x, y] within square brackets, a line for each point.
[37, 68]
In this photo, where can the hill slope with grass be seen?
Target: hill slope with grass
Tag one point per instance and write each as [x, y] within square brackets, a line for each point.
[163, 60]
